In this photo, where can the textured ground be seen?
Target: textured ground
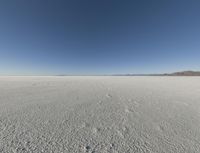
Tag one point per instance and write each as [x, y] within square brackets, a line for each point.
[100, 114]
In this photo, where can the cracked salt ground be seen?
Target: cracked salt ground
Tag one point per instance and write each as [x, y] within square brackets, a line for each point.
[99, 114]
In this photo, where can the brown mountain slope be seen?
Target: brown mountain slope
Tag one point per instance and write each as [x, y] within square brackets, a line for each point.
[185, 73]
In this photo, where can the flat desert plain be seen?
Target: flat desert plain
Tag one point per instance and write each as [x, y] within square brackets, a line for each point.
[99, 114]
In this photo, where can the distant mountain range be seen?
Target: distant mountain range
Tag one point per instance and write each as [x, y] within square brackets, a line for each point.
[181, 73]
[184, 73]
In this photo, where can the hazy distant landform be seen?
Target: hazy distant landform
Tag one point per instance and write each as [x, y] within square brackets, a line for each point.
[181, 73]
[99, 114]
[185, 73]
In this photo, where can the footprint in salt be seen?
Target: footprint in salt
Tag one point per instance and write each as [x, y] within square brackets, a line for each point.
[85, 125]
[128, 110]
[108, 95]
[96, 130]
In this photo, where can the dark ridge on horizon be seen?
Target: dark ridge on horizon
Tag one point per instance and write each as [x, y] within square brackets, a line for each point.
[178, 73]
[185, 73]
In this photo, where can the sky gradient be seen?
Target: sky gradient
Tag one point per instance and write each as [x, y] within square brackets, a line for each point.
[52, 37]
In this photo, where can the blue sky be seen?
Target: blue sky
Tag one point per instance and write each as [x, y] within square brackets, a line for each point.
[49, 37]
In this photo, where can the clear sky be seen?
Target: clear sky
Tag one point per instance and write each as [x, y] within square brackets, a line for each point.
[46, 37]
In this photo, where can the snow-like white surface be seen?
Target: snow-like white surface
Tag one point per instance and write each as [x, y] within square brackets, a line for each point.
[100, 114]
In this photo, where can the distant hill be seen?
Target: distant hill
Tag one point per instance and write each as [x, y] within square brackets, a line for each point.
[184, 73]
[181, 73]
